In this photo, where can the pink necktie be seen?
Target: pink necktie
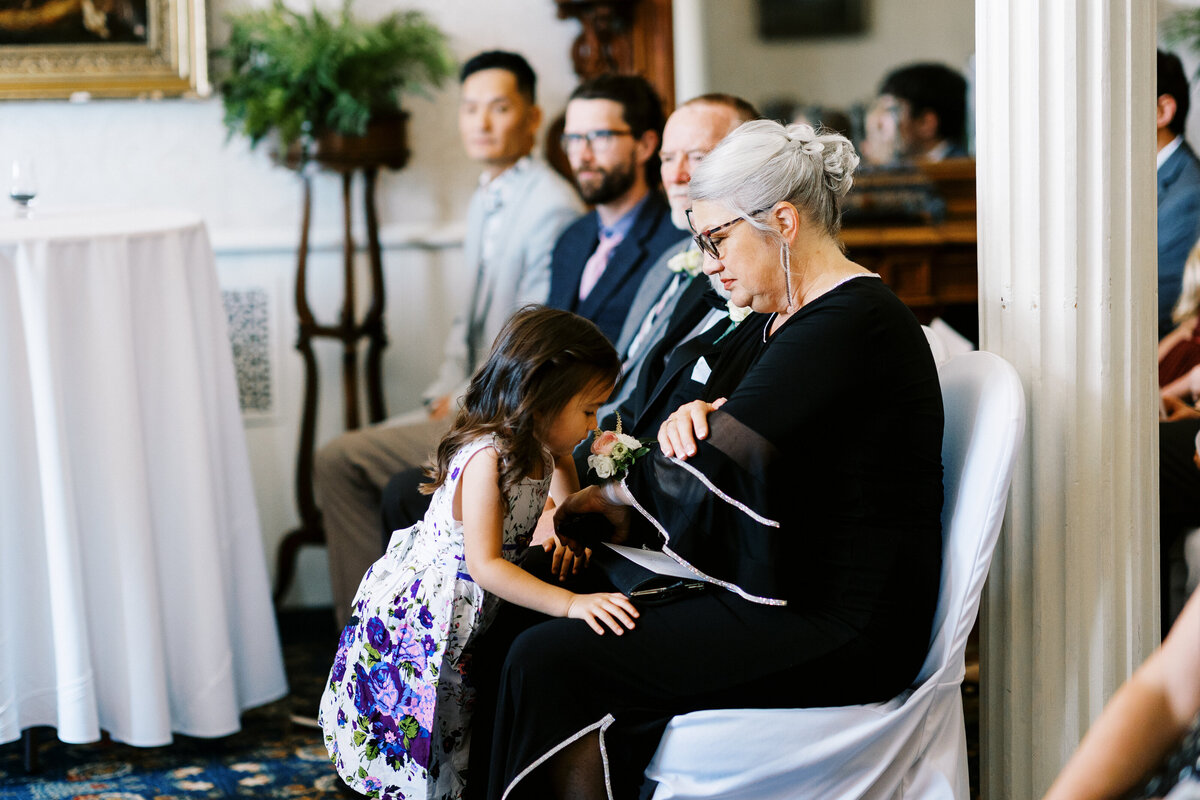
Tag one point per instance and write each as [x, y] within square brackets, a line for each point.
[595, 265]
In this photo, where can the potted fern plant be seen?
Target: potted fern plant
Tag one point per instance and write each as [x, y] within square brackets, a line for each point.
[325, 86]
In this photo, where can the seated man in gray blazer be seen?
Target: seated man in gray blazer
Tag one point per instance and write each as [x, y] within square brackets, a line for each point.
[514, 218]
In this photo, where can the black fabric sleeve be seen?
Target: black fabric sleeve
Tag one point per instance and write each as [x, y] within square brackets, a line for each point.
[834, 433]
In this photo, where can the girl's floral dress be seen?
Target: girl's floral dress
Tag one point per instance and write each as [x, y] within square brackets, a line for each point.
[396, 710]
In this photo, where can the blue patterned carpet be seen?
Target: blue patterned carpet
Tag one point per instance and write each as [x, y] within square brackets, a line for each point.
[271, 757]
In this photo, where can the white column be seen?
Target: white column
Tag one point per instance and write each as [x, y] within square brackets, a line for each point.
[1067, 294]
[691, 65]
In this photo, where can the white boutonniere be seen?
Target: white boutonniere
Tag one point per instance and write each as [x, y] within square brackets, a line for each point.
[689, 262]
[737, 313]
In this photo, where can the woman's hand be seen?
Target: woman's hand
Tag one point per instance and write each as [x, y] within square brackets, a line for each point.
[590, 500]
[678, 434]
[611, 608]
[564, 560]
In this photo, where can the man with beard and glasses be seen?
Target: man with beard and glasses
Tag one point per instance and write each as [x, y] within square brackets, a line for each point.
[611, 136]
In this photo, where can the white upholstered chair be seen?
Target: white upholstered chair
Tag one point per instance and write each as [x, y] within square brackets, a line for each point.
[914, 745]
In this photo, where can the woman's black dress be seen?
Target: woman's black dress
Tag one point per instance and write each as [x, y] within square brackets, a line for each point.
[816, 501]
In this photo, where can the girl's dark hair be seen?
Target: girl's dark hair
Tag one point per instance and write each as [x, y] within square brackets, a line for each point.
[541, 359]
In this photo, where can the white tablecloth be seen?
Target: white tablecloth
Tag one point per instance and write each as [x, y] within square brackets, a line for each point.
[133, 586]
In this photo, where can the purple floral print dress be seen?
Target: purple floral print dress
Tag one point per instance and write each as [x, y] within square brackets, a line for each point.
[396, 710]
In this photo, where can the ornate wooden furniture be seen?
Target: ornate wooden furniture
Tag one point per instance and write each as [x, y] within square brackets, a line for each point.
[624, 36]
[384, 145]
[931, 265]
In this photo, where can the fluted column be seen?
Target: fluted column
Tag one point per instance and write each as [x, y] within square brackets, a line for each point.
[691, 61]
[1067, 294]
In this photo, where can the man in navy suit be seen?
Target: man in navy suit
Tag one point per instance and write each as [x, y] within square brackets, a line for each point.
[1178, 187]
[611, 136]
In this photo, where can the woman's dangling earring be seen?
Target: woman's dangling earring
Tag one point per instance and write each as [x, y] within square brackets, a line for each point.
[785, 262]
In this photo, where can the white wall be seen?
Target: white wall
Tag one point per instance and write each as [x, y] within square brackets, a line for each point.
[175, 153]
[834, 71]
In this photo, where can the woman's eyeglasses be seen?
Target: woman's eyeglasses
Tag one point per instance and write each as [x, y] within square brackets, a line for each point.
[598, 141]
[704, 239]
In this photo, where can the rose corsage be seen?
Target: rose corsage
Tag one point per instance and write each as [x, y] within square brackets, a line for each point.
[614, 452]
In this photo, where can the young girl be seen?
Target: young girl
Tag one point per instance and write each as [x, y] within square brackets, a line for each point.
[395, 712]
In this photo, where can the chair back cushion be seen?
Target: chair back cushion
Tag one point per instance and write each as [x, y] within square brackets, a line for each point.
[985, 423]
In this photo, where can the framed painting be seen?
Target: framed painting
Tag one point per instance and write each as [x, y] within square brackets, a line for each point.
[102, 48]
[801, 19]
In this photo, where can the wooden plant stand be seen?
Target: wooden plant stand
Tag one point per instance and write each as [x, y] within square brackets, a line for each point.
[384, 145]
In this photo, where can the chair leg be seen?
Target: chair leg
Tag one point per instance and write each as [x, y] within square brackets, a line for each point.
[30, 748]
[289, 550]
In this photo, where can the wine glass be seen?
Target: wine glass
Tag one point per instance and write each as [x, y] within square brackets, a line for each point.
[22, 186]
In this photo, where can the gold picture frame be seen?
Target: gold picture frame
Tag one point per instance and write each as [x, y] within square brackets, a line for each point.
[103, 48]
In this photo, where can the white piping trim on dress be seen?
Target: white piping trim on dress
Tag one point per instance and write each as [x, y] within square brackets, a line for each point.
[602, 725]
[733, 587]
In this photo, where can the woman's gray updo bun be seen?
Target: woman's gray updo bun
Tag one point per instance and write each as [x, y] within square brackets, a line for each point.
[762, 162]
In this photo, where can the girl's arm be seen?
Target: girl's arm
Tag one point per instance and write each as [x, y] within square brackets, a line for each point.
[566, 479]
[1147, 716]
[479, 505]
[564, 562]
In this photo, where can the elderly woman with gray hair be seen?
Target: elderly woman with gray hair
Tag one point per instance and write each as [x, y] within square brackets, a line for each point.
[809, 499]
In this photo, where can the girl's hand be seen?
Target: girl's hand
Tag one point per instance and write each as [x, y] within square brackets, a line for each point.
[678, 434]
[564, 561]
[611, 608]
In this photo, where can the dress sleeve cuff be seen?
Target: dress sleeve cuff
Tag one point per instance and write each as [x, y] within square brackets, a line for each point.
[616, 493]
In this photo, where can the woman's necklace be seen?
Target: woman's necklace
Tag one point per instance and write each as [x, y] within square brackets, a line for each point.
[767, 327]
